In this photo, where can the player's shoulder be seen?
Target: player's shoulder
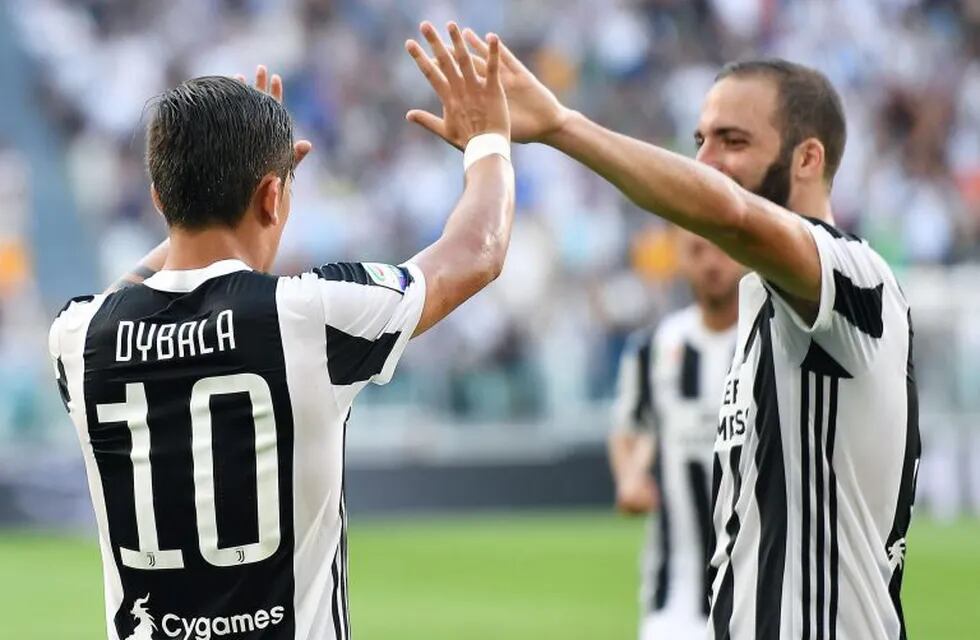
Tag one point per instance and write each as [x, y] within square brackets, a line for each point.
[78, 307]
[73, 315]
[368, 274]
[834, 232]
[345, 277]
[678, 326]
[854, 258]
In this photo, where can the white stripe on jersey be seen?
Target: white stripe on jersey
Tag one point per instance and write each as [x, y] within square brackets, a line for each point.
[815, 457]
[69, 340]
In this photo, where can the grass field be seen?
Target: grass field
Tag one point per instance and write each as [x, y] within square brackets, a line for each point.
[550, 576]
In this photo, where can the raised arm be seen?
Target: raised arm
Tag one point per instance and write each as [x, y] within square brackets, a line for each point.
[753, 230]
[470, 253]
[756, 232]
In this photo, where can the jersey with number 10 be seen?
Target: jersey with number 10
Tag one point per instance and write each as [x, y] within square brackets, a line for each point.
[211, 408]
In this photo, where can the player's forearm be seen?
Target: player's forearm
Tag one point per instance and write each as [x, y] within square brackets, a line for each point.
[759, 234]
[481, 223]
[630, 454]
[470, 253]
[150, 264]
[620, 448]
[679, 189]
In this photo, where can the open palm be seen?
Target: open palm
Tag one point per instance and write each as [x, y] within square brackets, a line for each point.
[535, 112]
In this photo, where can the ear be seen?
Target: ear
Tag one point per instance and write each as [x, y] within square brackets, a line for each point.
[808, 160]
[268, 195]
[155, 196]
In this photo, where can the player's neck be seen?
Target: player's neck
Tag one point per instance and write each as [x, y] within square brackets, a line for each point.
[198, 249]
[813, 203]
[721, 318]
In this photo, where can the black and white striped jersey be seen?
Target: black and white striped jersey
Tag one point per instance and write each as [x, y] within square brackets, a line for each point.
[670, 383]
[816, 457]
[211, 408]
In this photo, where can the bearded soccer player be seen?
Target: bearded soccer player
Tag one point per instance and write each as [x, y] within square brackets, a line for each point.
[211, 399]
[665, 417]
[817, 446]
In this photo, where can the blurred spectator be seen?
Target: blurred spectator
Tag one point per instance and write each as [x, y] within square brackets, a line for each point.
[585, 267]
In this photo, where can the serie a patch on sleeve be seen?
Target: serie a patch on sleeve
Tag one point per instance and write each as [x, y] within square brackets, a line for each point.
[388, 276]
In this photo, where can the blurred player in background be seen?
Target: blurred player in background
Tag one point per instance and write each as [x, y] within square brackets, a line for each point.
[665, 419]
[211, 398]
[818, 446]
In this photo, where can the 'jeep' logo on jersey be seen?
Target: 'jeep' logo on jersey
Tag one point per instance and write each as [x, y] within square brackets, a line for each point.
[735, 415]
[174, 626]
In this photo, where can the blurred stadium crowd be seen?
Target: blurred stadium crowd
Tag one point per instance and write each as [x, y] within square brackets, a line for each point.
[585, 267]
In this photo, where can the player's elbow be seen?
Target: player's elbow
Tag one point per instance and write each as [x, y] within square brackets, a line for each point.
[732, 215]
[489, 263]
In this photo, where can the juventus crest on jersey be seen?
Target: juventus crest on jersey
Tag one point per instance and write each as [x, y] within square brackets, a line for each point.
[670, 383]
[211, 408]
[816, 457]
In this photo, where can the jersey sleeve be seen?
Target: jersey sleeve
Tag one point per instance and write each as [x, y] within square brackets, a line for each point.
[371, 311]
[850, 319]
[67, 328]
[633, 406]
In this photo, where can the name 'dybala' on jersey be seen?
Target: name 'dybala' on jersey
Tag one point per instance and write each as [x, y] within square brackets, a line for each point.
[148, 341]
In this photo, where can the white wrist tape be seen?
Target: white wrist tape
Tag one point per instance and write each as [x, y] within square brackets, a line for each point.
[483, 145]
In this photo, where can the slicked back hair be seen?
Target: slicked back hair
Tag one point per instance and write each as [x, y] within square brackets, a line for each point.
[209, 143]
[809, 106]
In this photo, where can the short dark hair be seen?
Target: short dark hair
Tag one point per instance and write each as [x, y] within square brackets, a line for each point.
[208, 145]
[809, 106]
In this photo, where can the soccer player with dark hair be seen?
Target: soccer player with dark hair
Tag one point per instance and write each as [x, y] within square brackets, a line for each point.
[211, 398]
[817, 445]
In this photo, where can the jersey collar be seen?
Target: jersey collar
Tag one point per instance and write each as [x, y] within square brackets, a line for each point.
[182, 281]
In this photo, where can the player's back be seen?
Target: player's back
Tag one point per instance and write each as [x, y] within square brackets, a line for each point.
[211, 406]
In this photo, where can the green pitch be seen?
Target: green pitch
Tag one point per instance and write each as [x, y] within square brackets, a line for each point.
[541, 577]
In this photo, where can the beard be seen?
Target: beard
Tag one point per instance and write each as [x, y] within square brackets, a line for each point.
[775, 184]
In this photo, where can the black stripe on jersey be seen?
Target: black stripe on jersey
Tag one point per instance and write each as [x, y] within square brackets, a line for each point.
[662, 582]
[716, 474]
[698, 478]
[690, 372]
[832, 505]
[770, 487]
[356, 272]
[826, 508]
[352, 359]
[819, 361]
[63, 383]
[805, 495]
[343, 272]
[343, 525]
[644, 400]
[821, 568]
[860, 306]
[721, 612]
[906, 492]
[335, 607]
[832, 230]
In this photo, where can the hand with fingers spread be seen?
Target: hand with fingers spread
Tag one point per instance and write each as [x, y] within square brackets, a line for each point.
[272, 85]
[471, 104]
[535, 112]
